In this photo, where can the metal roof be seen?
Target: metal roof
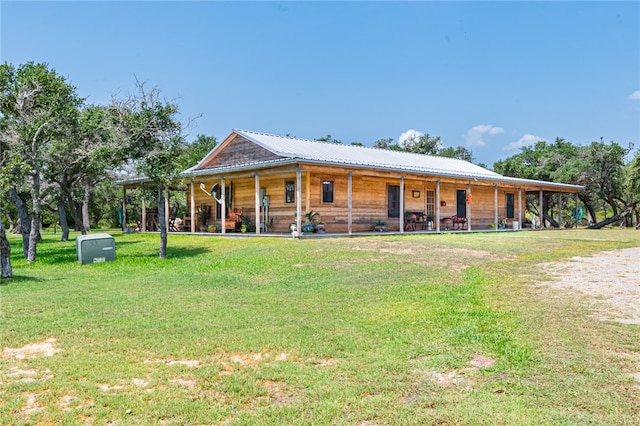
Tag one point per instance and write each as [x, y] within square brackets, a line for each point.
[293, 150]
[382, 159]
[306, 149]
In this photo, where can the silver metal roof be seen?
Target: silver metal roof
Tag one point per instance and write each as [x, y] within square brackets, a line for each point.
[364, 156]
[382, 159]
[292, 150]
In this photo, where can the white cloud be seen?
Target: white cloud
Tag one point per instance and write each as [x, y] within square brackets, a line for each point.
[409, 135]
[475, 135]
[525, 140]
[635, 96]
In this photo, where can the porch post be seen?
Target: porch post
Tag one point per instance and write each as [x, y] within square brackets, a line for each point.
[469, 206]
[144, 216]
[559, 210]
[349, 202]
[438, 205]
[192, 208]
[541, 207]
[223, 210]
[298, 202]
[257, 196]
[495, 206]
[124, 208]
[401, 204]
[166, 209]
[520, 207]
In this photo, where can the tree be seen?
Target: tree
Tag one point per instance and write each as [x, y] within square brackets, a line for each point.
[385, 143]
[632, 186]
[37, 105]
[155, 140]
[424, 144]
[329, 139]
[82, 158]
[459, 152]
[598, 166]
[195, 151]
[6, 271]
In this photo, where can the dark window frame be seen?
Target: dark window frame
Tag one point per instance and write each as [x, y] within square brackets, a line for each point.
[510, 205]
[290, 191]
[393, 201]
[328, 191]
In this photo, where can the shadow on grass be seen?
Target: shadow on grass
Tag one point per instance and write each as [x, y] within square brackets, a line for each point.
[19, 279]
[174, 253]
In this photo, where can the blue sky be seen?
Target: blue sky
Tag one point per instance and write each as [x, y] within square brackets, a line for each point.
[490, 76]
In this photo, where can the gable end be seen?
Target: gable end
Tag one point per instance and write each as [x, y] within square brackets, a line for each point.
[236, 152]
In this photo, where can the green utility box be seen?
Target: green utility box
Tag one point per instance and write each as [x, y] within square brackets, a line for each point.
[95, 248]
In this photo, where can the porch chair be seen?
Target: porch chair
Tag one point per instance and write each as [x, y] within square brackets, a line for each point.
[459, 222]
[233, 222]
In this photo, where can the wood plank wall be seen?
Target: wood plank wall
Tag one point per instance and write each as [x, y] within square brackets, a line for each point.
[369, 197]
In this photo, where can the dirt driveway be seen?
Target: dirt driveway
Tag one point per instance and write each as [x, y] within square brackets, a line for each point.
[610, 280]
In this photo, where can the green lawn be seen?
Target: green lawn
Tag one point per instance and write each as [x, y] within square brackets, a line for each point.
[360, 331]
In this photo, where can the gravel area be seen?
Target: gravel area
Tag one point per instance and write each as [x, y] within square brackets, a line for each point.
[610, 280]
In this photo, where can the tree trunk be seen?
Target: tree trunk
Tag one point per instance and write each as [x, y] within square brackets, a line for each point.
[34, 235]
[24, 219]
[162, 225]
[11, 224]
[5, 254]
[610, 220]
[62, 217]
[552, 221]
[86, 225]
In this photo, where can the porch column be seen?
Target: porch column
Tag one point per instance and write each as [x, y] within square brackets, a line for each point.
[349, 202]
[192, 208]
[124, 208]
[298, 202]
[469, 206]
[541, 207]
[520, 207]
[401, 204]
[495, 206]
[144, 216]
[560, 210]
[166, 209]
[438, 205]
[257, 196]
[223, 210]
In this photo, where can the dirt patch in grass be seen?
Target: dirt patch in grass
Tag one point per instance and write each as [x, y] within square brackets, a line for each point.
[461, 378]
[608, 281]
[280, 393]
[192, 363]
[32, 350]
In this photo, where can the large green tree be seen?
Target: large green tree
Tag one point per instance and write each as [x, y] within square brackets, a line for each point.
[83, 158]
[600, 167]
[150, 125]
[37, 105]
[193, 152]
[425, 144]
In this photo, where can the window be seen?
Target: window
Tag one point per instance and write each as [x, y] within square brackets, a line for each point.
[393, 201]
[431, 203]
[510, 206]
[290, 191]
[327, 191]
[461, 203]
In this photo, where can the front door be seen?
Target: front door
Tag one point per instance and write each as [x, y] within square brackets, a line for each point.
[461, 203]
[393, 201]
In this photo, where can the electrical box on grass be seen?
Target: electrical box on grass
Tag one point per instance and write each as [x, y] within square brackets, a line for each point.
[95, 248]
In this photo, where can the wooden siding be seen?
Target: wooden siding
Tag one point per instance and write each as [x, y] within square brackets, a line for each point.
[369, 197]
[236, 152]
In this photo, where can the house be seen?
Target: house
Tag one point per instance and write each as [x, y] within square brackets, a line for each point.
[275, 180]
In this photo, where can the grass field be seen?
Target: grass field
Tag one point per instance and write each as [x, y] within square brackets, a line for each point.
[389, 330]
